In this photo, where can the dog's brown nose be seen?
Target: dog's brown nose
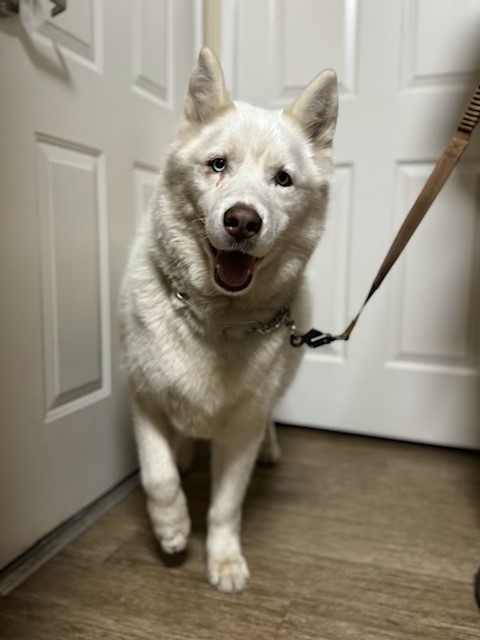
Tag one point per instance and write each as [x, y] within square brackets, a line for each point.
[242, 222]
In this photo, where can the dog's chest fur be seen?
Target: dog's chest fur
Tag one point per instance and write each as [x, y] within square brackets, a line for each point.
[213, 387]
[201, 374]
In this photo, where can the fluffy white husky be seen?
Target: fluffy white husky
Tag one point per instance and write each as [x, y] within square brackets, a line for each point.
[237, 213]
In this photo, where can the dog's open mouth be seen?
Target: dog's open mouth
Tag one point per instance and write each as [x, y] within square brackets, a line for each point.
[233, 269]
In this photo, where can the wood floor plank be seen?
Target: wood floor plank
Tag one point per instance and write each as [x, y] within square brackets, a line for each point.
[348, 538]
[361, 601]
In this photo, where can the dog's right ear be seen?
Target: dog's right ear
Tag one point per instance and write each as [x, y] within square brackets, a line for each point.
[207, 95]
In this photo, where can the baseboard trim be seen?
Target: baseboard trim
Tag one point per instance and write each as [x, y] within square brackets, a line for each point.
[30, 561]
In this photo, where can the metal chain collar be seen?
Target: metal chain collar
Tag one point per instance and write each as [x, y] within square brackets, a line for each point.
[312, 338]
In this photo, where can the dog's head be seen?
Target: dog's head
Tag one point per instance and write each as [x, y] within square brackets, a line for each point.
[256, 180]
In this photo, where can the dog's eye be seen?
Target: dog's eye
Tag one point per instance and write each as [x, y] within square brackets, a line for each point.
[218, 164]
[283, 179]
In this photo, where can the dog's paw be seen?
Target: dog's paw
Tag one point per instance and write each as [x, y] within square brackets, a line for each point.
[174, 543]
[229, 574]
[173, 536]
[171, 526]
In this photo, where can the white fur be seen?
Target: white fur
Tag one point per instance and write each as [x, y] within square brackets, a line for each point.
[195, 368]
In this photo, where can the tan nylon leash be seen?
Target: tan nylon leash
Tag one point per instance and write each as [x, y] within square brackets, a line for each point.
[431, 189]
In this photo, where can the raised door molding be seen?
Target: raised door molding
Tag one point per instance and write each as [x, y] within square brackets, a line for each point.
[432, 30]
[152, 51]
[268, 40]
[74, 275]
[434, 303]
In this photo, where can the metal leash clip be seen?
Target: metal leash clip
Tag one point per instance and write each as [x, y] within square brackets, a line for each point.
[312, 338]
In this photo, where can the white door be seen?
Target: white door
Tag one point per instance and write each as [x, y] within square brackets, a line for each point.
[88, 100]
[406, 70]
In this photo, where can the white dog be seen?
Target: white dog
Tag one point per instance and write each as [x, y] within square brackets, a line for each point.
[237, 213]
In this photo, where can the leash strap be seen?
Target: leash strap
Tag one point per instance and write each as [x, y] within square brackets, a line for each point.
[431, 189]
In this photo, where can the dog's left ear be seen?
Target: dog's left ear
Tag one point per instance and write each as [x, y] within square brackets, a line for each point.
[316, 108]
[207, 95]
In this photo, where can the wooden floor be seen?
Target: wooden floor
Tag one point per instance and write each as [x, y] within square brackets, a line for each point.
[349, 538]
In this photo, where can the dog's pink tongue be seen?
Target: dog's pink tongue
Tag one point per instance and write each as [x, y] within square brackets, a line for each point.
[234, 267]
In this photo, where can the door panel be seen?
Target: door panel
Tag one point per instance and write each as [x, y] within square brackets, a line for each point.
[432, 328]
[75, 287]
[152, 49]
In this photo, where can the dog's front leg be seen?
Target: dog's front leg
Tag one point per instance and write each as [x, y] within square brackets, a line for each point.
[233, 457]
[166, 501]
